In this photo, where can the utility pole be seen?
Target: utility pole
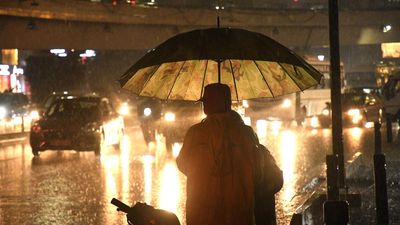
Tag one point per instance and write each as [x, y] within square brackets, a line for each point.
[336, 211]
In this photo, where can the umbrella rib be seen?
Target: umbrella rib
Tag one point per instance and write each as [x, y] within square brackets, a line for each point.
[176, 78]
[297, 72]
[204, 78]
[264, 79]
[311, 69]
[250, 86]
[234, 81]
[147, 81]
[290, 76]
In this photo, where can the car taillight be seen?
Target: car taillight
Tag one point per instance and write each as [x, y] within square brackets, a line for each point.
[36, 128]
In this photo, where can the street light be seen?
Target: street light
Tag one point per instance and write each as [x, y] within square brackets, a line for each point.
[386, 28]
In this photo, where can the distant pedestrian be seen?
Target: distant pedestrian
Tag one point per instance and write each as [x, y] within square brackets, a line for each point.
[302, 116]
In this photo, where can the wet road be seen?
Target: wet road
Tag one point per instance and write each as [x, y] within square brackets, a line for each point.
[68, 187]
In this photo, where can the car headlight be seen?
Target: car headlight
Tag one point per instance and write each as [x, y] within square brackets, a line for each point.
[355, 115]
[314, 122]
[325, 112]
[286, 103]
[3, 112]
[147, 112]
[124, 109]
[169, 116]
[91, 127]
[353, 112]
[245, 104]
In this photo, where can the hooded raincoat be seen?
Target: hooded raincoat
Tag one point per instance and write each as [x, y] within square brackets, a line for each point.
[217, 157]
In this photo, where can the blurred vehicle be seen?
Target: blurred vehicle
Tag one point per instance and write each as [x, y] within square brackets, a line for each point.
[84, 123]
[277, 109]
[391, 94]
[14, 105]
[52, 97]
[149, 115]
[49, 99]
[126, 107]
[297, 106]
[358, 108]
[171, 119]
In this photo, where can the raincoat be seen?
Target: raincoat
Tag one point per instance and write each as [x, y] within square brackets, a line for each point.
[217, 157]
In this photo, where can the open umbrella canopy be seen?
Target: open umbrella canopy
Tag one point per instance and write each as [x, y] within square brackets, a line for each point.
[252, 64]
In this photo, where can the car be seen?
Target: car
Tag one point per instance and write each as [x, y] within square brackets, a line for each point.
[280, 108]
[358, 108]
[52, 97]
[13, 105]
[82, 123]
[170, 119]
[49, 99]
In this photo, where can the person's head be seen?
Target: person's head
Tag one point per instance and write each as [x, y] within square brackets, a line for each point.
[216, 98]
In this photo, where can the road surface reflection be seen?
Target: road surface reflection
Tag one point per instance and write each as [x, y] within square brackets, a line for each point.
[68, 187]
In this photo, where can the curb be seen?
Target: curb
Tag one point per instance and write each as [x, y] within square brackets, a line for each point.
[311, 210]
[13, 137]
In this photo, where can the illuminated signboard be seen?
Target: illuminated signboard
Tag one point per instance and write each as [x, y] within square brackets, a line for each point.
[5, 70]
[390, 50]
[9, 56]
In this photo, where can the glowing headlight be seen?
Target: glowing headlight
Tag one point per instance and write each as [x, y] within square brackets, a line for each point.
[91, 127]
[147, 112]
[325, 112]
[276, 125]
[245, 104]
[169, 116]
[124, 109]
[3, 112]
[286, 103]
[353, 112]
[34, 115]
[314, 122]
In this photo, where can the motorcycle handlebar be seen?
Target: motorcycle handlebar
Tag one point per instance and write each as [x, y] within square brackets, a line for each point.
[120, 205]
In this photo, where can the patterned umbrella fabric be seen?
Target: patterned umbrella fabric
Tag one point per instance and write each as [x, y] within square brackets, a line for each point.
[253, 65]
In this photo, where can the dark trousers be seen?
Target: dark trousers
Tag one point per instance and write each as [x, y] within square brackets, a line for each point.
[264, 209]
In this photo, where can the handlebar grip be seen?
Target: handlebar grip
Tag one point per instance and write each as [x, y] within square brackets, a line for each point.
[121, 206]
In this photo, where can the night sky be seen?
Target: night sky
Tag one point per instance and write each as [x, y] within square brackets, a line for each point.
[47, 72]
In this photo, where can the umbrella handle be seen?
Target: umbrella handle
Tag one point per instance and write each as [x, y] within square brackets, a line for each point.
[219, 71]
[219, 61]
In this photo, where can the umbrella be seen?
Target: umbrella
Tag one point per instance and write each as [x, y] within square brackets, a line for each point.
[252, 64]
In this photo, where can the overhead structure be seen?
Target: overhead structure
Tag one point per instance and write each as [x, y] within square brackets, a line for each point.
[84, 24]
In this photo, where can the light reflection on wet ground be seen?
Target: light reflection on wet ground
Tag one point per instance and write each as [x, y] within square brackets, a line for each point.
[70, 187]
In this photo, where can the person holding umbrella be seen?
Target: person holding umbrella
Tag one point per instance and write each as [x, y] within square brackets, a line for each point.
[218, 157]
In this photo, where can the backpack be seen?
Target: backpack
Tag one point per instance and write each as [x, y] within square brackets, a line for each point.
[269, 177]
[268, 181]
